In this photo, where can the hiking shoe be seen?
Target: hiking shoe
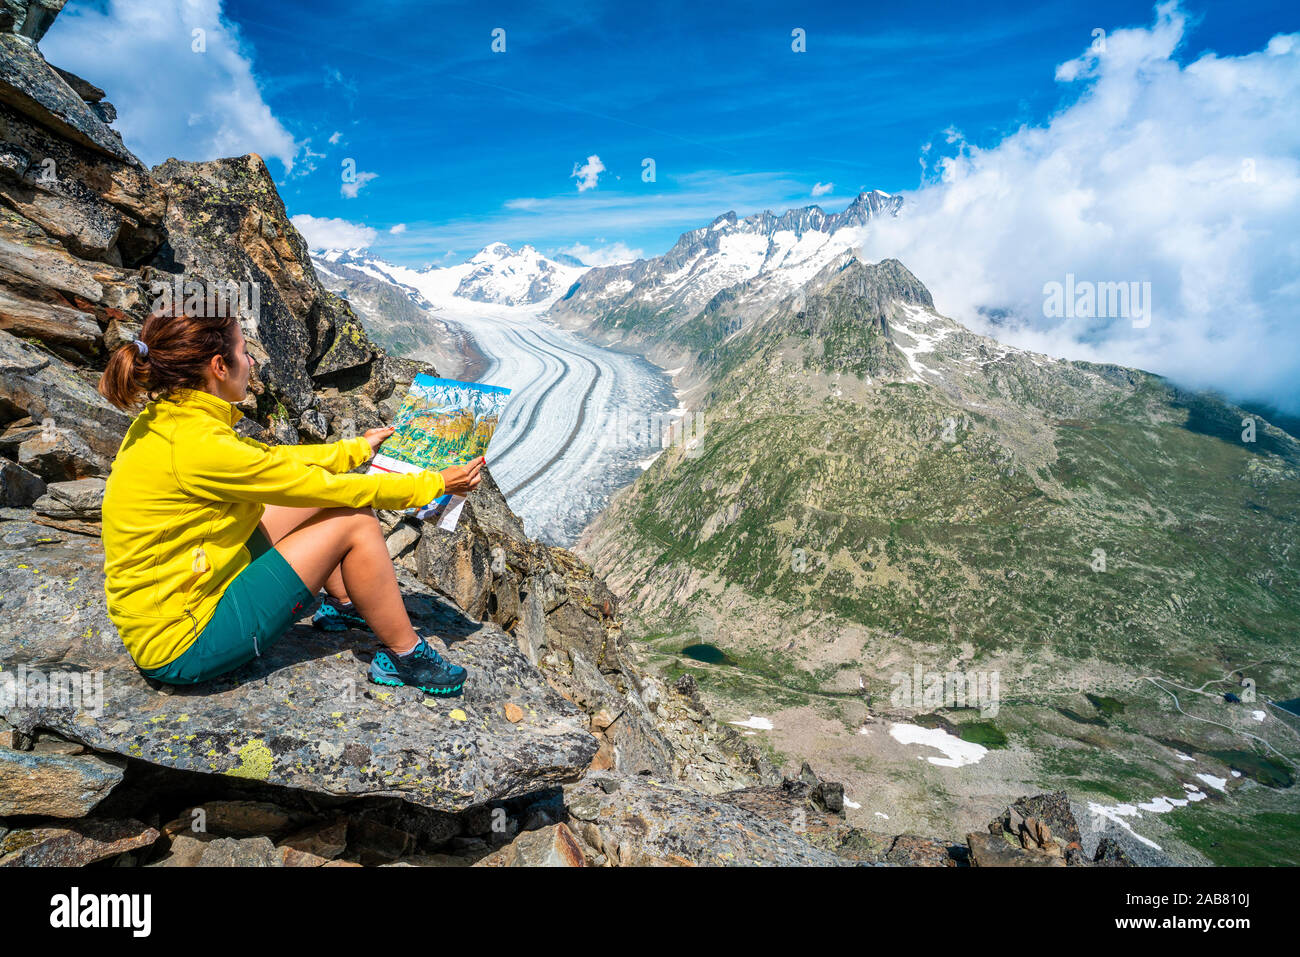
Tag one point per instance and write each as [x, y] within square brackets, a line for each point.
[423, 668]
[333, 617]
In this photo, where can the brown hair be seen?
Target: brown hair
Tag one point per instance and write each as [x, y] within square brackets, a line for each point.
[180, 348]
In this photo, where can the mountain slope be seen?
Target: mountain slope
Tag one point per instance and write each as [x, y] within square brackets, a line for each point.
[397, 316]
[876, 487]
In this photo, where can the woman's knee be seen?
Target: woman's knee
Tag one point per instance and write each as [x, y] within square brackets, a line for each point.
[349, 512]
[359, 519]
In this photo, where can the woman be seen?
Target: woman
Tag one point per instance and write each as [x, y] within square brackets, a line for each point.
[214, 543]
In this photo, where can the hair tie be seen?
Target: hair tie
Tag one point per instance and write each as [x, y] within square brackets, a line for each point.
[141, 348]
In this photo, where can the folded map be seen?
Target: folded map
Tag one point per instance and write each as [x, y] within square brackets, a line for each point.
[442, 422]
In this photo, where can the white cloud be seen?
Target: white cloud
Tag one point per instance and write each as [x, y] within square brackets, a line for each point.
[1186, 177]
[821, 189]
[350, 190]
[588, 173]
[323, 233]
[171, 101]
[398, 229]
[607, 255]
[335, 137]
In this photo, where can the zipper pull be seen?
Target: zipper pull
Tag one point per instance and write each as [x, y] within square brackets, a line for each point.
[200, 562]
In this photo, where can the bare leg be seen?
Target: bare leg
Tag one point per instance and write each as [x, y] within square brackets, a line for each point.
[279, 520]
[350, 542]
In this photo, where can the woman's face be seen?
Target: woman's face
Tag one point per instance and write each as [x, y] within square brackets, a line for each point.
[235, 386]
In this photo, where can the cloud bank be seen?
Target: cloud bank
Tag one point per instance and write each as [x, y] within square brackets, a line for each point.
[195, 99]
[1186, 177]
[324, 233]
[608, 255]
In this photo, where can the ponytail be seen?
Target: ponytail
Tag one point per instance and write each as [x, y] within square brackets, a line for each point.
[125, 376]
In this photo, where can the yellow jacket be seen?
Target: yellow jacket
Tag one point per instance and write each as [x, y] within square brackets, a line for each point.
[184, 480]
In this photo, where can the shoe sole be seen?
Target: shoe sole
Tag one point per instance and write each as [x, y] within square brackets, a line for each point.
[430, 689]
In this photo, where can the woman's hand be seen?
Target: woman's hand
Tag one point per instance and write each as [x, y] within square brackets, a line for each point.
[462, 479]
[376, 436]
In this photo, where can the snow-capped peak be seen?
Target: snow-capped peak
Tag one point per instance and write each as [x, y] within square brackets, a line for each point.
[779, 250]
[493, 252]
[496, 274]
[357, 253]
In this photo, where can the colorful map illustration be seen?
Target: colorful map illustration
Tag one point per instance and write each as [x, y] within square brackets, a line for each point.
[442, 422]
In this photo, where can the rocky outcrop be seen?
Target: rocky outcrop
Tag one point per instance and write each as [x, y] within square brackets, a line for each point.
[225, 222]
[638, 821]
[302, 716]
[1040, 831]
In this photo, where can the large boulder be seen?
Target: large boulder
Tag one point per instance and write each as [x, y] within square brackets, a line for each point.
[73, 843]
[82, 498]
[33, 87]
[303, 715]
[39, 385]
[56, 785]
[553, 846]
[19, 487]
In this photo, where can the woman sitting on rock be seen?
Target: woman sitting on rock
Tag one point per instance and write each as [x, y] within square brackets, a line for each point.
[214, 543]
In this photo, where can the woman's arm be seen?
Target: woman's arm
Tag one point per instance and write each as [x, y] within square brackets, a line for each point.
[220, 466]
[341, 456]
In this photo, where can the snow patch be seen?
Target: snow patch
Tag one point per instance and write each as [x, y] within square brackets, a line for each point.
[1162, 805]
[1117, 814]
[956, 751]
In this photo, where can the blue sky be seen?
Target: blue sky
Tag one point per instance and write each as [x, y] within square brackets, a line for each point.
[468, 146]
[1115, 142]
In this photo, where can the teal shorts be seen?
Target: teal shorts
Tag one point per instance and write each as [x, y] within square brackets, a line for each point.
[254, 612]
